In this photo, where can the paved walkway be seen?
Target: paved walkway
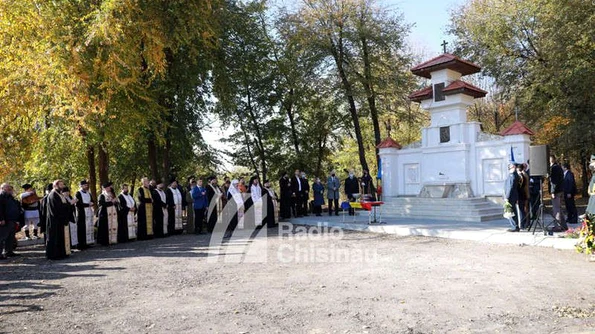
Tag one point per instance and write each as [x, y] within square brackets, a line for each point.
[491, 231]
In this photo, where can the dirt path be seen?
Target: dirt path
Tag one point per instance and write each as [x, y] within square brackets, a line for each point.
[376, 284]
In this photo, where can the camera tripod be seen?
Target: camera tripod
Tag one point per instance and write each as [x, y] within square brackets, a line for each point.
[537, 219]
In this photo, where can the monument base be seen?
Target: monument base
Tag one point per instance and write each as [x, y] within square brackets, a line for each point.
[446, 190]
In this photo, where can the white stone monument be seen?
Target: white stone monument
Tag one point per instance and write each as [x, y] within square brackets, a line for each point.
[454, 159]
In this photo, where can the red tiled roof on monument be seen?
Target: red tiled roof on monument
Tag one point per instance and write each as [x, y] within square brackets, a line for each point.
[422, 94]
[517, 128]
[455, 87]
[464, 88]
[443, 61]
[389, 143]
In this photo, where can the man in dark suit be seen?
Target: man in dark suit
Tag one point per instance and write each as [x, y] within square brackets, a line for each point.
[297, 194]
[306, 194]
[569, 186]
[10, 212]
[511, 194]
[523, 196]
[556, 189]
[332, 185]
[351, 187]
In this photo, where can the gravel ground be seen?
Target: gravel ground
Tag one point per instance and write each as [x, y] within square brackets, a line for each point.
[340, 282]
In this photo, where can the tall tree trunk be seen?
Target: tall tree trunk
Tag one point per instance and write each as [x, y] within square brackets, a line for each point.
[103, 163]
[152, 156]
[250, 154]
[294, 136]
[166, 157]
[167, 103]
[92, 172]
[259, 145]
[288, 103]
[321, 146]
[337, 51]
[371, 95]
[131, 187]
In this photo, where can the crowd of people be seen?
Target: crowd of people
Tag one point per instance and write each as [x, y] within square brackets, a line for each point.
[524, 193]
[161, 209]
[78, 220]
[295, 193]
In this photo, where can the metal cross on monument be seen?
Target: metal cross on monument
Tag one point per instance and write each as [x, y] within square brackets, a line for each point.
[388, 127]
[444, 44]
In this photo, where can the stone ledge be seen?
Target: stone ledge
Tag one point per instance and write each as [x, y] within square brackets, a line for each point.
[446, 190]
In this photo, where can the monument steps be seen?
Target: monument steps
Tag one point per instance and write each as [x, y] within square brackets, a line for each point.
[465, 209]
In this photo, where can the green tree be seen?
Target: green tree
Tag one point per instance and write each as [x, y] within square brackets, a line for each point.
[541, 53]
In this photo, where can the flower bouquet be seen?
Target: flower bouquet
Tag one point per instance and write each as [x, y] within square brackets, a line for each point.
[508, 212]
[586, 243]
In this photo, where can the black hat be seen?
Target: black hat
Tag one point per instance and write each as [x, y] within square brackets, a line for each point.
[266, 181]
[83, 182]
[49, 187]
[172, 180]
[211, 178]
[106, 184]
[65, 189]
[26, 186]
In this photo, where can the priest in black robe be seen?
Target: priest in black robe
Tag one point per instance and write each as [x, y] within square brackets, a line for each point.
[84, 216]
[43, 210]
[213, 198]
[271, 219]
[126, 215]
[285, 189]
[58, 212]
[171, 211]
[159, 204]
[107, 225]
[144, 214]
[73, 235]
[234, 208]
[249, 212]
[123, 211]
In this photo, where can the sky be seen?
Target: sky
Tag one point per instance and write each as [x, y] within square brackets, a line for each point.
[430, 19]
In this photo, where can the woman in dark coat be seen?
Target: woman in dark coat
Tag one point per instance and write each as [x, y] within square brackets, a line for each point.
[318, 189]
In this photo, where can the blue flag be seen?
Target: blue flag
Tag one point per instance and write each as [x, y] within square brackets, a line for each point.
[379, 176]
[511, 154]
